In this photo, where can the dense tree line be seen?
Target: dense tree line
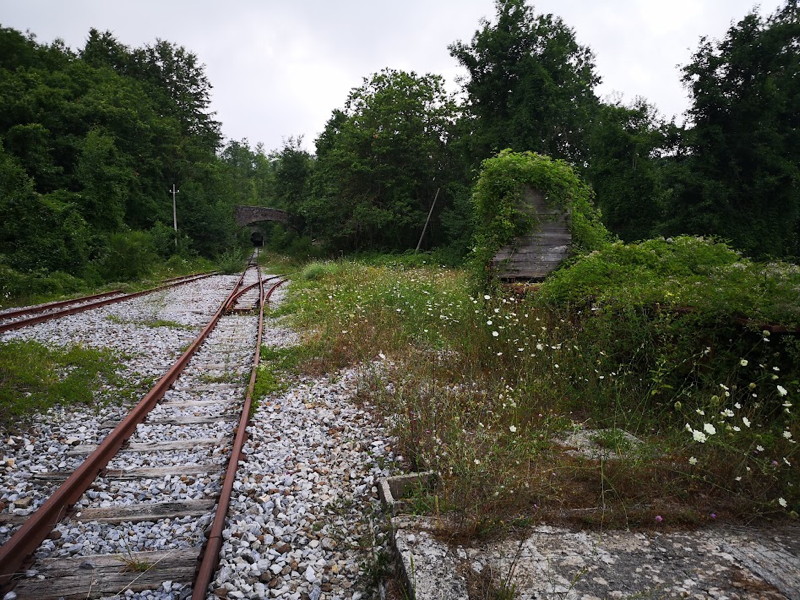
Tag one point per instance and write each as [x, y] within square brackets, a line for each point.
[731, 171]
[91, 140]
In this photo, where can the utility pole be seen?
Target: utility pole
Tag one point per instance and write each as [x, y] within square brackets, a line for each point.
[175, 214]
[430, 212]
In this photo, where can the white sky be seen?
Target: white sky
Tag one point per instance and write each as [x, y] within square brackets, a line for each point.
[280, 67]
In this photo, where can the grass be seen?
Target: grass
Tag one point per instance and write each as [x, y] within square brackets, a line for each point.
[478, 386]
[34, 377]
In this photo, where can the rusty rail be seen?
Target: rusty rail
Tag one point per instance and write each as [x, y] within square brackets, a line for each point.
[27, 538]
[71, 311]
[259, 284]
[209, 557]
[50, 305]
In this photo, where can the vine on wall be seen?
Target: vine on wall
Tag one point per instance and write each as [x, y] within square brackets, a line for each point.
[501, 215]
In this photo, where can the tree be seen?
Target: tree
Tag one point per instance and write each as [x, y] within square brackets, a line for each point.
[380, 162]
[530, 85]
[625, 145]
[741, 178]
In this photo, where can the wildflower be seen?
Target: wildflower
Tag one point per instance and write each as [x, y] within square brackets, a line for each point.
[746, 421]
[713, 515]
[782, 391]
[495, 334]
[692, 460]
[782, 502]
[512, 428]
[760, 448]
[700, 412]
[489, 322]
[787, 434]
[487, 297]
[743, 362]
[727, 412]
[476, 461]
[709, 429]
[659, 518]
[699, 436]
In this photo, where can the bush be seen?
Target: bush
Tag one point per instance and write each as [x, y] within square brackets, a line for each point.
[127, 256]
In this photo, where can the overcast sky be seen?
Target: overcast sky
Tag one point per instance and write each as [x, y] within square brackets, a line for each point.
[280, 67]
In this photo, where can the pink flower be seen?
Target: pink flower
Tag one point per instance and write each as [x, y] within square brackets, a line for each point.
[659, 518]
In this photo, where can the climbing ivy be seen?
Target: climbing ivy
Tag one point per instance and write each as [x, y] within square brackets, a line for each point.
[501, 215]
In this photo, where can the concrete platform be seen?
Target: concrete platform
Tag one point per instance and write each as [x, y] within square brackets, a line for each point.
[722, 562]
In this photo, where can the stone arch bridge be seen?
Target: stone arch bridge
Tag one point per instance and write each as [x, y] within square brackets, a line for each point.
[247, 215]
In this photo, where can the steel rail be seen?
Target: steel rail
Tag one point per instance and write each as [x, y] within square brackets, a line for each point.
[84, 307]
[50, 305]
[209, 556]
[27, 538]
[259, 284]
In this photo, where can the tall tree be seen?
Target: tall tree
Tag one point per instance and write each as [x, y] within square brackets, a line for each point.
[380, 162]
[530, 85]
[625, 145]
[741, 179]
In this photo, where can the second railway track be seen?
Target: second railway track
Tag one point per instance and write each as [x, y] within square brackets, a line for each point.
[143, 522]
[33, 315]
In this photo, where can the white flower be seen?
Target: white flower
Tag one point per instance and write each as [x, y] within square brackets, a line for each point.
[727, 412]
[512, 428]
[746, 421]
[495, 334]
[487, 297]
[782, 391]
[760, 448]
[709, 429]
[699, 436]
[743, 362]
[782, 502]
[539, 347]
[692, 460]
[787, 434]
[476, 461]
[489, 322]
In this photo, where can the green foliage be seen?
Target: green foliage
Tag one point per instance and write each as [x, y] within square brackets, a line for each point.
[380, 162]
[737, 176]
[530, 85]
[318, 270]
[127, 256]
[501, 216]
[231, 261]
[34, 377]
[685, 272]
[624, 143]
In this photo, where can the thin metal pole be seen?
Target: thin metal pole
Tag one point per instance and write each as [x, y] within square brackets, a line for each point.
[175, 215]
[430, 212]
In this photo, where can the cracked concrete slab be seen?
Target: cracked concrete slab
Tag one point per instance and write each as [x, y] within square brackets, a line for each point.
[555, 562]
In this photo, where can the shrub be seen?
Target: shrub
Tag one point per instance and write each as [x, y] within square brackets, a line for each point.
[127, 256]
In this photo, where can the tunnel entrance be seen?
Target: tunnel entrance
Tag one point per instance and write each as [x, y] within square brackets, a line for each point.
[257, 238]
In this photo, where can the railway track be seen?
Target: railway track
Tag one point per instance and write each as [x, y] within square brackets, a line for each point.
[145, 509]
[33, 315]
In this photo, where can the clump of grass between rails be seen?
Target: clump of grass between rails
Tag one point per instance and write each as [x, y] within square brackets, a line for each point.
[34, 377]
[678, 342]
